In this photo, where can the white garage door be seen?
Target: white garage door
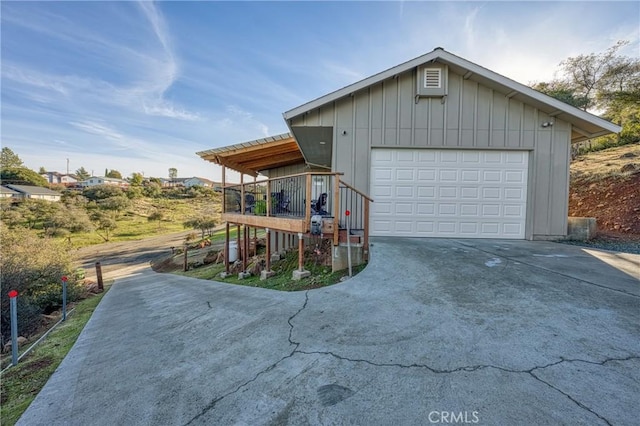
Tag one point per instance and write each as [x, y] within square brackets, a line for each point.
[448, 193]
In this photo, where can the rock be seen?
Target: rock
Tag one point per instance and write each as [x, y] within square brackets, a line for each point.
[628, 155]
[21, 341]
[631, 167]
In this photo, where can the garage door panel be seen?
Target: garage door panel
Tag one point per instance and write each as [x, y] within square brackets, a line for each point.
[470, 193]
[405, 191]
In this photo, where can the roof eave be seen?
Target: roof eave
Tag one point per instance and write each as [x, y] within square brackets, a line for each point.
[449, 58]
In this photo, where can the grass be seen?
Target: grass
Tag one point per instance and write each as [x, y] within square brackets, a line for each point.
[21, 384]
[321, 276]
[607, 163]
[134, 225]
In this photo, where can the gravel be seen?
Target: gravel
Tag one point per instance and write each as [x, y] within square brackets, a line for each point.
[624, 246]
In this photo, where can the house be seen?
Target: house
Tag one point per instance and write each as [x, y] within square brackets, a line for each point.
[198, 181]
[445, 147]
[33, 192]
[8, 192]
[98, 180]
[60, 179]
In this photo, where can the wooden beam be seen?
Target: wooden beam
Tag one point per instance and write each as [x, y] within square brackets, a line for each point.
[511, 94]
[555, 113]
[467, 75]
[279, 223]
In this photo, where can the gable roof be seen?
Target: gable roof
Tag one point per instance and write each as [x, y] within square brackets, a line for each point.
[586, 125]
[33, 190]
[5, 190]
[253, 156]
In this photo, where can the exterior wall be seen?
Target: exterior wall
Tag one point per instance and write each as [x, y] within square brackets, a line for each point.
[284, 171]
[388, 114]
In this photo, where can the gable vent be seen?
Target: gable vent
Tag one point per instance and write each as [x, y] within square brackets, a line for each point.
[432, 78]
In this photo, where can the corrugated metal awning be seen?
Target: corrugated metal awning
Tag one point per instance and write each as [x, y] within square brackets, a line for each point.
[253, 156]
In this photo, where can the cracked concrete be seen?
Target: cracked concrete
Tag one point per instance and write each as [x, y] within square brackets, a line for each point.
[550, 334]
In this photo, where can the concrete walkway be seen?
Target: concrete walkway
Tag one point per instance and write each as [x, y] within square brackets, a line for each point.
[433, 331]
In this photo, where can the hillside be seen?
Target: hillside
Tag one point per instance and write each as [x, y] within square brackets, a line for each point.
[606, 185]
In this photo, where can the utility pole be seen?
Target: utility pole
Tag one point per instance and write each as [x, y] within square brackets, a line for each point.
[67, 166]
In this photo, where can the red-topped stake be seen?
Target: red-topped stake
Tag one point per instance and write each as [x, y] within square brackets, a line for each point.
[347, 213]
[13, 294]
[64, 278]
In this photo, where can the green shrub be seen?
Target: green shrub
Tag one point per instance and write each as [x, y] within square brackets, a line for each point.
[34, 267]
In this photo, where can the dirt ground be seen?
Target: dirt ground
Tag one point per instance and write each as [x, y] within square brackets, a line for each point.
[120, 257]
[606, 185]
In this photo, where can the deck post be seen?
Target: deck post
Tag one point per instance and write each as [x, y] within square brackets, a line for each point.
[242, 205]
[238, 235]
[307, 211]
[226, 248]
[268, 198]
[245, 258]
[267, 272]
[336, 208]
[300, 273]
[300, 252]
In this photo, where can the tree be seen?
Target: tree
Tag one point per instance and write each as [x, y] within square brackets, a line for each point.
[114, 204]
[153, 190]
[35, 213]
[202, 222]
[173, 173]
[69, 220]
[596, 75]
[607, 81]
[42, 170]
[9, 159]
[22, 176]
[156, 216]
[136, 179]
[82, 174]
[105, 224]
[562, 91]
[100, 192]
[113, 174]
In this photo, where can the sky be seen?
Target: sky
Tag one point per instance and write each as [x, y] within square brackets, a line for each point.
[142, 86]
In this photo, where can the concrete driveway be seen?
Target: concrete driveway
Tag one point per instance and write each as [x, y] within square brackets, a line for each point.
[432, 331]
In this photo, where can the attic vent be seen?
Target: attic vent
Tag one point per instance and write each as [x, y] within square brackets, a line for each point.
[432, 78]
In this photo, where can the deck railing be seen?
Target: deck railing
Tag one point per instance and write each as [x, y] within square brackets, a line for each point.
[299, 197]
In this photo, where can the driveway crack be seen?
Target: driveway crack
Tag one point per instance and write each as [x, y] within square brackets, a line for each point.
[215, 401]
[486, 366]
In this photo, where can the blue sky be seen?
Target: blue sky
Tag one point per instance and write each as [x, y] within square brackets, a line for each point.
[142, 86]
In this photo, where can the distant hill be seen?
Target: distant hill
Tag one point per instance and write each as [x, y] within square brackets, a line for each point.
[606, 185]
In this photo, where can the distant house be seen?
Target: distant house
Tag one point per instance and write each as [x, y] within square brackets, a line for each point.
[198, 181]
[173, 183]
[8, 192]
[98, 180]
[34, 192]
[57, 178]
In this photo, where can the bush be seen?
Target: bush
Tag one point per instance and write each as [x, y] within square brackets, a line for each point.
[34, 267]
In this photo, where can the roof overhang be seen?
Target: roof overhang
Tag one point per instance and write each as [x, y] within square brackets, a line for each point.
[585, 125]
[254, 156]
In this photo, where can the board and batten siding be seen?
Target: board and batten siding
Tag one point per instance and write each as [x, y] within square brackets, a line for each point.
[473, 116]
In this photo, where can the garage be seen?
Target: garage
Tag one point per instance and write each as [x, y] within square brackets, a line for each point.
[458, 193]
